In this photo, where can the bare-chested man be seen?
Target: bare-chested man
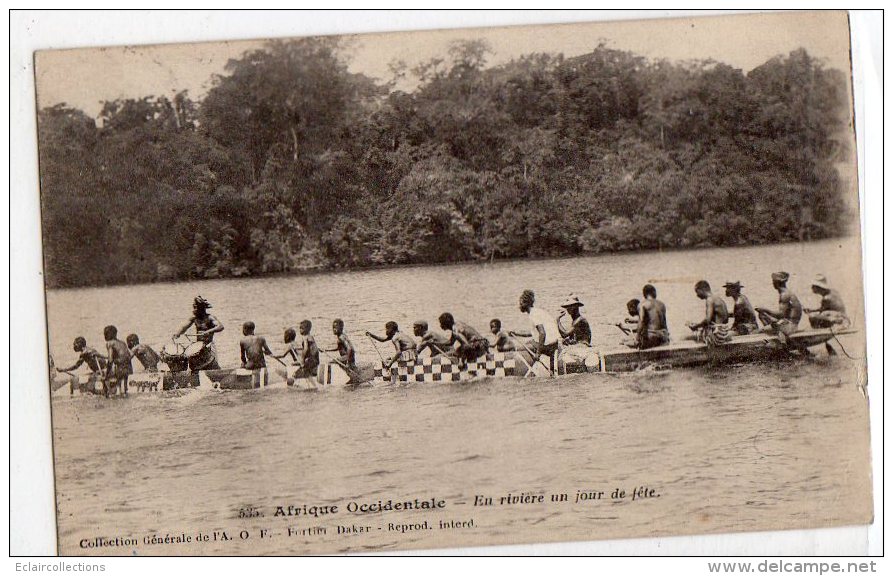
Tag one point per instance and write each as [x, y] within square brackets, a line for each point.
[471, 345]
[148, 357]
[206, 326]
[743, 313]
[252, 348]
[832, 311]
[786, 319]
[119, 367]
[435, 342]
[95, 362]
[652, 330]
[404, 345]
[712, 330]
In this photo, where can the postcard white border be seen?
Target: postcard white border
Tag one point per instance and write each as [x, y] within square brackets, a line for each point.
[32, 521]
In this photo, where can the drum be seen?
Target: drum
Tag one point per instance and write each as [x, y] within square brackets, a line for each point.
[199, 355]
[172, 355]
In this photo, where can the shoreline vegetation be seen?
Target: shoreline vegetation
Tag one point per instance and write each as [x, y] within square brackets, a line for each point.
[292, 164]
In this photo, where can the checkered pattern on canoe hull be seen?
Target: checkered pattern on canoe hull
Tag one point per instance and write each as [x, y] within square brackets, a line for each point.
[442, 369]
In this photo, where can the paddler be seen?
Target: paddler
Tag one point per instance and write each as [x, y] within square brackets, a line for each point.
[309, 349]
[503, 342]
[577, 341]
[404, 345]
[347, 357]
[630, 324]
[95, 361]
[544, 333]
[784, 321]
[58, 378]
[579, 332]
[470, 345]
[631, 321]
[745, 318]
[144, 353]
[831, 313]
[292, 348]
[437, 343]
[712, 330]
[253, 348]
[205, 328]
[652, 330]
[119, 367]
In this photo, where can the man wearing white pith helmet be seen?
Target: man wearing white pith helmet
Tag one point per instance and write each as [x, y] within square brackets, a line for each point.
[832, 311]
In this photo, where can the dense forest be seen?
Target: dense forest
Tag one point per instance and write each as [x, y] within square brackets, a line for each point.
[292, 162]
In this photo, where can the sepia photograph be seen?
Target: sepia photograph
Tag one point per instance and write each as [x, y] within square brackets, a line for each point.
[451, 288]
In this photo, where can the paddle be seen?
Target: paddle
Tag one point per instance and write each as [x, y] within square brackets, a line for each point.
[380, 357]
[536, 357]
[333, 359]
[625, 331]
[62, 385]
[831, 329]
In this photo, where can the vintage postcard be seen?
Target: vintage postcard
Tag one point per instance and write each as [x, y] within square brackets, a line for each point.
[454, 288]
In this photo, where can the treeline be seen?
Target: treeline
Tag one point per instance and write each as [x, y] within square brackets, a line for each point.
[292, 162]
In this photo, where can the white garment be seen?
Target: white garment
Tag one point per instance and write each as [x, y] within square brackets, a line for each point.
[550, 325]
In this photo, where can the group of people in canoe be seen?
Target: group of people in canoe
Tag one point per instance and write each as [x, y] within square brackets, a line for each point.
[568, 334]
[718, 326]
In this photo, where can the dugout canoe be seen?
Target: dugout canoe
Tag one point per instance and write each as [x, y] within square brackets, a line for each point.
[750, 348]
[441, 369]
[328, 374]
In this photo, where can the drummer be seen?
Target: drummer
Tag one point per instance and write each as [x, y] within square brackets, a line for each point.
[205, 328]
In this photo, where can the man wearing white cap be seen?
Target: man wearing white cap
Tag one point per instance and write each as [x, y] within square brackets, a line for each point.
[786, 319]
[831, 312]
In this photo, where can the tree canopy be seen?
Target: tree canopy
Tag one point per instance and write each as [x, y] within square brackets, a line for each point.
[291, 162]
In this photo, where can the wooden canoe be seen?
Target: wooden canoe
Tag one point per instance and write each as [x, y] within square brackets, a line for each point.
[750, 348]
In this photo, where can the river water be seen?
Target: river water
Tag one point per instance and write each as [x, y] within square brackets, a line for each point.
[769, 446]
